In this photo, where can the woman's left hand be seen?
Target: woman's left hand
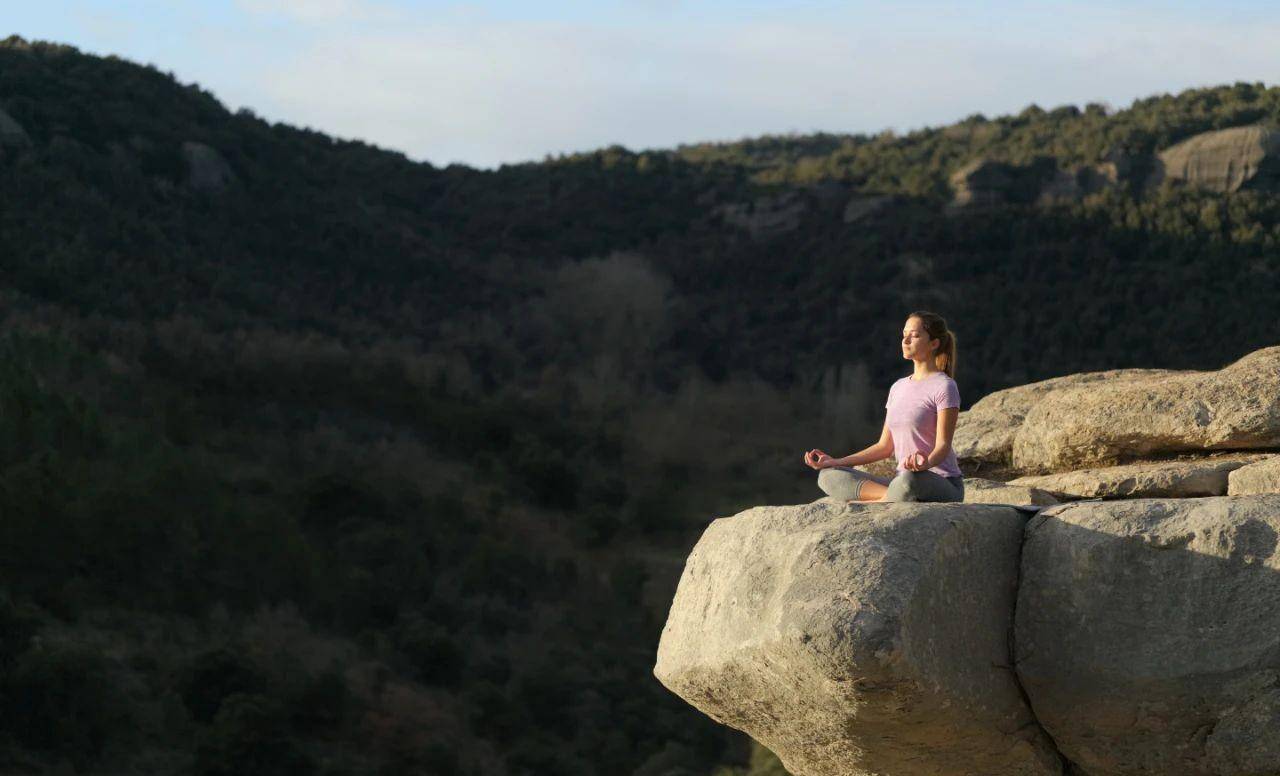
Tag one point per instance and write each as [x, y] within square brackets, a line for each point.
[916, 462]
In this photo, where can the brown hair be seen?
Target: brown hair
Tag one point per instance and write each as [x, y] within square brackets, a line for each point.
[945, 357]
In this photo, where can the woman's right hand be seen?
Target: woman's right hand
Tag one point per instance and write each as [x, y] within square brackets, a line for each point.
[915, 462]
[816, 459]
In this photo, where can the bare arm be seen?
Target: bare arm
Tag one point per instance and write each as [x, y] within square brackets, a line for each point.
[946, 429]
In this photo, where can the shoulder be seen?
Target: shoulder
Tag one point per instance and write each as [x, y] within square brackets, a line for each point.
[893, 389]
[947, 391]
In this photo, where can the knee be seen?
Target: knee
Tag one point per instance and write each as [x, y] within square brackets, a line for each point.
[838, 484]
[904, 487]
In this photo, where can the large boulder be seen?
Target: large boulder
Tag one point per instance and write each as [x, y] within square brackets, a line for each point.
[1224, 160]
[1187, 478]
[1236, 407]
[1148, 634]
[859, 638]
[985, 432]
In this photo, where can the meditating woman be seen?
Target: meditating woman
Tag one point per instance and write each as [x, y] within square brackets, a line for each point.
[919, 423]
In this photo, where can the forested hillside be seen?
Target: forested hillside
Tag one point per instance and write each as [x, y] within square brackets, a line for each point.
[315, 459]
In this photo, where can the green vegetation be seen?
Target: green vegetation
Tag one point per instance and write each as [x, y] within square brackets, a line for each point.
[363, 466]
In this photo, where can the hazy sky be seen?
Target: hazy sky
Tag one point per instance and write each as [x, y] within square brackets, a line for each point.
[490, 82]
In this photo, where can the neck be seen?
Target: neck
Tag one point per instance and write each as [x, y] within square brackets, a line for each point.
[924, 369]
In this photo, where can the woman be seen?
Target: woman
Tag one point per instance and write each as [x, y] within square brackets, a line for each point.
[920, 419]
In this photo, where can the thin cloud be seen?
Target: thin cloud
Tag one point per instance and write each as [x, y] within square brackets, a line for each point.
[483, 91]
[321, 11]
[462, 83]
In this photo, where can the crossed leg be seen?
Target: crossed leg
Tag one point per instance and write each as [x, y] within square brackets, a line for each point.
[849, 484]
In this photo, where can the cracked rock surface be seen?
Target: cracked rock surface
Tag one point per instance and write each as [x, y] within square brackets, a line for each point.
[1099, 638]
[1236, 407]
[1148, 633]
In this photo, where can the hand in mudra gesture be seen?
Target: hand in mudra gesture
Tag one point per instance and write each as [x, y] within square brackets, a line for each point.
[818, 459]
[915, 462]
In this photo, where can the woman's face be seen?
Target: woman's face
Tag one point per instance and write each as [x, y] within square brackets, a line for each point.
[916, 344]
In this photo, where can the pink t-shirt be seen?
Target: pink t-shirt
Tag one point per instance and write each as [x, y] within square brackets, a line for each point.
[913, 417]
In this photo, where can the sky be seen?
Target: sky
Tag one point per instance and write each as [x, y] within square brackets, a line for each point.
[488, 83]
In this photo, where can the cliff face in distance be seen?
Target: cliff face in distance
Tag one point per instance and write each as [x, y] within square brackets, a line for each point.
[1133, 628]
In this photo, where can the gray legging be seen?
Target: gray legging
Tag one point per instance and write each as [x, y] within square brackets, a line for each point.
[845, 483]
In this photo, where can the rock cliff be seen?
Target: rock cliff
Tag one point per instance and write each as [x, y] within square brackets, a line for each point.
[206, 169]
[1224, 160]
[12, 135]
[1133, 628]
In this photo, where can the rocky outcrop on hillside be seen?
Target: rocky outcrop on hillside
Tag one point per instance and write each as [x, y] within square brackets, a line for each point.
[1078, 181]
[206, 169]
[782, 211]
[12, 135]
[987, 182]
[863, 206]
[1223, 160]
[1133, 628]
[766, 216]
[984, 183]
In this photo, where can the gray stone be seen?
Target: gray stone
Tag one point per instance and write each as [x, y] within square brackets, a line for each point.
[1196, 477]
[12, 135]
[982, 183]
[1223, 160]
[206, 169]
[1236, 407]
[766, 216]
[1260, 477]
[856, 639]
[864, 206]
[982, 491]
[985, 432]
[1148, 634]
[1079, 181]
